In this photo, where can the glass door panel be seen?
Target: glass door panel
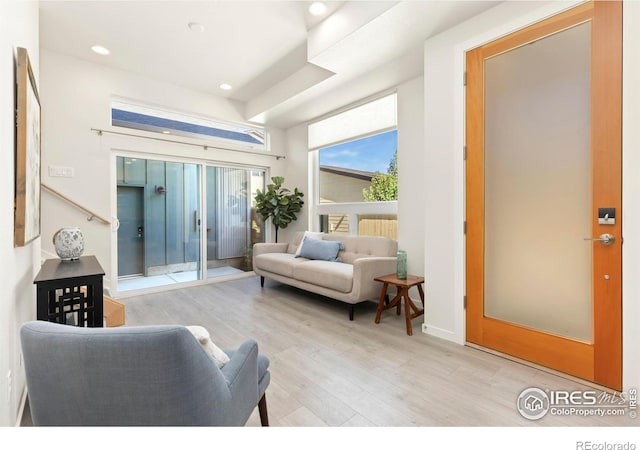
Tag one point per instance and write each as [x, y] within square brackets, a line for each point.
[232, 225]
[168, 227]
[538, 185]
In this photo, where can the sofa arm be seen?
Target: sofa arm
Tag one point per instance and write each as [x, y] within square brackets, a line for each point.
[263, 247]
[368, 268]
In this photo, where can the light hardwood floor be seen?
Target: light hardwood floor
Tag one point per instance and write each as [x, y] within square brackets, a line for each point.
[329, 371]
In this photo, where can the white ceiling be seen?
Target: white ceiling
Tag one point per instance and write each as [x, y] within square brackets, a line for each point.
[285, 65]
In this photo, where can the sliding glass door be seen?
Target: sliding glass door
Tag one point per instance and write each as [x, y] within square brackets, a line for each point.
[163, 221]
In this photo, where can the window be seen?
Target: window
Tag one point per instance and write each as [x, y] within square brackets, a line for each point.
[360, 170]
[171, 123]
[356, 173]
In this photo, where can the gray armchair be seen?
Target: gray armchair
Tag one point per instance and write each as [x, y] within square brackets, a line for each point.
[138, 376]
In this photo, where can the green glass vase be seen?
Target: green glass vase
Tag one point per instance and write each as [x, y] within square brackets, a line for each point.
[401, 271]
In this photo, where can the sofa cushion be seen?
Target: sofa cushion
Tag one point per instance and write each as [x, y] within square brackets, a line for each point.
[329, 274]
[363, 246]
[320, 249]
[280, 263]
[294, 244]
[307, 234]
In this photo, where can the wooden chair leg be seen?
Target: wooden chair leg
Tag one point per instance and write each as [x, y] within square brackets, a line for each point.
[262, 409]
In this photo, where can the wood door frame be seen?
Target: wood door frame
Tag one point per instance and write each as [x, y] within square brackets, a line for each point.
[583, 360]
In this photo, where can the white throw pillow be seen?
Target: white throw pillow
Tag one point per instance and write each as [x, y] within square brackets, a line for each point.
[202, 335]
[308, 234]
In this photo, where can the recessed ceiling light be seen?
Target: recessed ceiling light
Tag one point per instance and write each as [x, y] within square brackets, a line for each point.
[317, 8]
[100, 50]
[197, 27]
[225, 87]
[166, 132]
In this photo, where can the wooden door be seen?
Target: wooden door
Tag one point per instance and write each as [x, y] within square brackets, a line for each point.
[526, 255]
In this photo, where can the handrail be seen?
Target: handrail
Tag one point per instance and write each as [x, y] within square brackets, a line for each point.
[92, 215]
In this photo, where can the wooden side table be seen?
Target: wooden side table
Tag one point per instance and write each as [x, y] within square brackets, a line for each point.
[71, 292]
[402, 292]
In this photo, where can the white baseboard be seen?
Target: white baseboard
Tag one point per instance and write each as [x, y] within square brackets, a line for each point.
[439, 333]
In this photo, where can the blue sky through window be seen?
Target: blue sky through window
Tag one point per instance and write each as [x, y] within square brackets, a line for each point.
[371, 154]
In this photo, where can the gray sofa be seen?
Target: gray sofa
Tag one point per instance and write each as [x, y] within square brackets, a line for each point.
[350, 281]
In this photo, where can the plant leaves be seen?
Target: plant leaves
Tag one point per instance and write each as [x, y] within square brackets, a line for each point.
[278, 203]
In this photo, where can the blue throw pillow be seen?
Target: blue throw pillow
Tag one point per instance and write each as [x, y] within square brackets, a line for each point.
[319, 249]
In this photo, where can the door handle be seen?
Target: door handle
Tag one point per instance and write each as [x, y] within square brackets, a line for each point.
[606, 239]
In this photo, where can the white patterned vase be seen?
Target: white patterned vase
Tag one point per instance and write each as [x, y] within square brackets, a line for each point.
[69, 243]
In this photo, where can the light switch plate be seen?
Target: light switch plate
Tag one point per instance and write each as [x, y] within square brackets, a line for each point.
[59, 171]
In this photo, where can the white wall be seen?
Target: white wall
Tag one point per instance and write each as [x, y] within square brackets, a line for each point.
[631, 195]
[444, 168]
[76, 97]
[411, 180]
[296, 174]
[18, 266]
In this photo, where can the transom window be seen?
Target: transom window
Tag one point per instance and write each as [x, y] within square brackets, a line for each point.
[156, 120]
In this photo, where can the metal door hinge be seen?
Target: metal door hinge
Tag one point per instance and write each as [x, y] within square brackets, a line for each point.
[465, 78]
[464, 153]
[465, 227]
[465, 302]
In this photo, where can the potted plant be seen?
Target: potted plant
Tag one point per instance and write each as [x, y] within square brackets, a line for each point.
[279, 204]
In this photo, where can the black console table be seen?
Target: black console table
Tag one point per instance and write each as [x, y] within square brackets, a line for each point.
[70, 292]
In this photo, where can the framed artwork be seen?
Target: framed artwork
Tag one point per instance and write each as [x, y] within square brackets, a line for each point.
[27, 176]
